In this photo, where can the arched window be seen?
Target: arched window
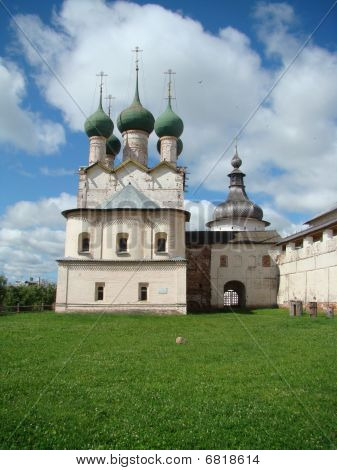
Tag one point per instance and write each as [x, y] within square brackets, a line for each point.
[122, 242]
[161, 242]
[83, 242]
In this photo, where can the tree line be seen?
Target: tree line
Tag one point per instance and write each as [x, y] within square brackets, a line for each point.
[33, 296]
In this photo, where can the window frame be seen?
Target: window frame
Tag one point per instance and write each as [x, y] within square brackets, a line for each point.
[119, 238]
[161, 236]
[99, 289]
[141, 287]
[81, 238]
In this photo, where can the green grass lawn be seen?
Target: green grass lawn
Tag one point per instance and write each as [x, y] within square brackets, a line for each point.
[243, 381]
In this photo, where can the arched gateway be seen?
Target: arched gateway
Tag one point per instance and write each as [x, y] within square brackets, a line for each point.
[234, 294]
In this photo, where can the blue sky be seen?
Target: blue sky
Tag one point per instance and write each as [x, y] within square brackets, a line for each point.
[227, 56]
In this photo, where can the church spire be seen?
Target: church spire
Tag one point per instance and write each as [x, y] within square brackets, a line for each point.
[136, 99]
[238, 212]
[136, 117]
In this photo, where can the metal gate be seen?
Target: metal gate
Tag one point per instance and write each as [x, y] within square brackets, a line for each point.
[231, 298]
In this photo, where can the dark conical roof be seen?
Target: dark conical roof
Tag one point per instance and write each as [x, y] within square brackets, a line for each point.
[238, 204]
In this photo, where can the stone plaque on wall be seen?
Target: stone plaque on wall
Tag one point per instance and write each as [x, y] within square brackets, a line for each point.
[163, 290]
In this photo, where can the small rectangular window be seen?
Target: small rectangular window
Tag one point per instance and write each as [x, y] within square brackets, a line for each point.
[266, 261]
[298, 244]
[99, 291]
[223, 261]
[318, 237]
[143, 292]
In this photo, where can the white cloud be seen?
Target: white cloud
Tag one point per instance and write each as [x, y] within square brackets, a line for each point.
[201, 213]
[280, 223]
[289, 148]
[32, 237]
[46, 171]
[20, 127]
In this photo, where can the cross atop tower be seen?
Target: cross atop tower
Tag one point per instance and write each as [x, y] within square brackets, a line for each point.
[102, 75]
[109, 99]
[169, 73]
[137, 50]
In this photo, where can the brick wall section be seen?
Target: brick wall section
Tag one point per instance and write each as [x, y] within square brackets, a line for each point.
[198, 289]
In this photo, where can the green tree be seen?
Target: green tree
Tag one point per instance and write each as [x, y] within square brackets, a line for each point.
[3, 286]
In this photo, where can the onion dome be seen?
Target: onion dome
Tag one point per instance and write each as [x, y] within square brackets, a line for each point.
[99, 123]
[135, 117]
[179, 146]
[113, 145]
[169, 123]
[238, 205]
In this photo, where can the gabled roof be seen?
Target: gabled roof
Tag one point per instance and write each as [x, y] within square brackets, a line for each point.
[129, 198]
[163, 163]
[128, 162]
[132, 162]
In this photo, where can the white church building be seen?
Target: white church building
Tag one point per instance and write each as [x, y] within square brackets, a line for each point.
[125, 240]
[127, 248]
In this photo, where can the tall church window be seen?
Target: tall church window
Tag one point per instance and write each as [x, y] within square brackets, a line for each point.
[122, 242]
[83, 242]
[161, 242]
[99, 291]
[143, 291]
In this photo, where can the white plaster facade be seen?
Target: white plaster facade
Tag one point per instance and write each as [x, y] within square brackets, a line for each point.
[245, 264]
[166, 281]
[163, 183]
[307, 262]
[118, 251]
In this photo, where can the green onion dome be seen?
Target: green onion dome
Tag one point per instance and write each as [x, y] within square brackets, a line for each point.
[135, 117]
[179, 146]
[99, 123]
[169, 123]
[113, 145]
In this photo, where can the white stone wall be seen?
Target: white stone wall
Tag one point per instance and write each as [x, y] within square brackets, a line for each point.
[166, 286]
[97, 149]
[162, 184]
[135, 146]
[168, 149]
[309, 273]
[244, 265]
[103, 228]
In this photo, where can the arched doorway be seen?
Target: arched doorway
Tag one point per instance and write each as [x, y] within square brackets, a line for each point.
[234, 294]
